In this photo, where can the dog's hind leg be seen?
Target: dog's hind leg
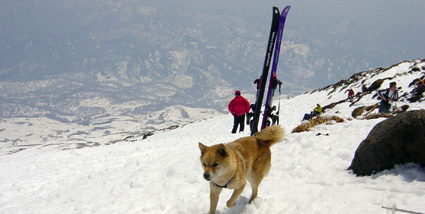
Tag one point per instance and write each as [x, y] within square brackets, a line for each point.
[256, 176]
[254, 184]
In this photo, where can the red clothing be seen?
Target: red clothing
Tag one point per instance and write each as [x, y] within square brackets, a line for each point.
[350, 92]
[239, 106]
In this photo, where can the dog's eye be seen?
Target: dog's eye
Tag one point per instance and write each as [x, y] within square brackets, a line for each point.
[204, 164]
[215, 164]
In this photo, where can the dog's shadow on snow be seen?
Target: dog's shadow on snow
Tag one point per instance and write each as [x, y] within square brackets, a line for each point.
[240, 207]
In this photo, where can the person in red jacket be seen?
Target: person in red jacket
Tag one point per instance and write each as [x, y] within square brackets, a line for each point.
[238, 107]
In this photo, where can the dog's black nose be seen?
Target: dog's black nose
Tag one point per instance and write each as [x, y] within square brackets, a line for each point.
[207, 176]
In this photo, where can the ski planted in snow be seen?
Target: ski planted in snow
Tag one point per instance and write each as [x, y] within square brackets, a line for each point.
[274, 82]
[260, 93]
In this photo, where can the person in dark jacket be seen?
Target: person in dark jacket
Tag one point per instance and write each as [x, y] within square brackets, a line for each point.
[238, 107]
[388, 96]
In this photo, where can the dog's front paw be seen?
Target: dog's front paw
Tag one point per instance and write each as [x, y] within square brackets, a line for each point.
[230, 203]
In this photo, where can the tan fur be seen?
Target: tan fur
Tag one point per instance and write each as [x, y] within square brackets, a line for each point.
[247, 158]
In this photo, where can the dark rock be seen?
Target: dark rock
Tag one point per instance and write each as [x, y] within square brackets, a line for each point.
[417, 94]
[375, 85]
[398, 140]
[146, 135]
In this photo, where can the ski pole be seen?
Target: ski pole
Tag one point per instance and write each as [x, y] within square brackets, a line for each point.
[394, 209]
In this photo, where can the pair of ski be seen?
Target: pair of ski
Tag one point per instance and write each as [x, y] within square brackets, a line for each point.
[276, 32]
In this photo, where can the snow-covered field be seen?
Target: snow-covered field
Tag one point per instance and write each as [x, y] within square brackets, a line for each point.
[162, 173]
[17, 134]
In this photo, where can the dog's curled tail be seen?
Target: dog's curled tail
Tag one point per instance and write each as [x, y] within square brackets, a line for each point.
[271, 135]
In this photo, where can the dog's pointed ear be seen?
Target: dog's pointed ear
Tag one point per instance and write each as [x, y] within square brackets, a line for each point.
[202, 147]
[222, 150]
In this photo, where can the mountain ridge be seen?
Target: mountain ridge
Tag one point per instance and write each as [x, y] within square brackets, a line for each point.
[79, 62]
[102, 122]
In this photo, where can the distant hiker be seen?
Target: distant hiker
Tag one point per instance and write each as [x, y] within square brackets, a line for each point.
[388, 96]
[317, 110]
[350, 93]
[308, 116]
[422, 81]
[258, 82]
[238, 107]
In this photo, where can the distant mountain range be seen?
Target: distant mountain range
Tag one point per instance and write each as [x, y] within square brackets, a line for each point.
[78, 61]
[83, 125]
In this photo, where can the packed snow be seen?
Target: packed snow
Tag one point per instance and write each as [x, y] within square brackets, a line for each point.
[162, 173]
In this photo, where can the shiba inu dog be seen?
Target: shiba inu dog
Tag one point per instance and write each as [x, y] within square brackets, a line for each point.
[230, 165]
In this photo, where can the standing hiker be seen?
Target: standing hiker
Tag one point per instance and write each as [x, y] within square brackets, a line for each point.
[388, 96]
[238, 107]
[350, 93]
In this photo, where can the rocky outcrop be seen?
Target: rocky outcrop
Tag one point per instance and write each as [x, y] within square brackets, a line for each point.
[398, 140]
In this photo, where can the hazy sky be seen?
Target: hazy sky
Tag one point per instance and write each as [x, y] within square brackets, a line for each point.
[364, 12]
[388, 15]
[381, 13]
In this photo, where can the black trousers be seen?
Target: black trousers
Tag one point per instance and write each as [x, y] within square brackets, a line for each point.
[238, 120]
[384, 107]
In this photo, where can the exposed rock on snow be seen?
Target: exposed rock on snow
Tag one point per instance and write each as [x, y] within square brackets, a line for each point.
[398, 140]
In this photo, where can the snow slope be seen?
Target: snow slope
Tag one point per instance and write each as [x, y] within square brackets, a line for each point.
[162, 173]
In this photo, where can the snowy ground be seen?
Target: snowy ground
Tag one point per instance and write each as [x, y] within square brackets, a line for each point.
[162, 174]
